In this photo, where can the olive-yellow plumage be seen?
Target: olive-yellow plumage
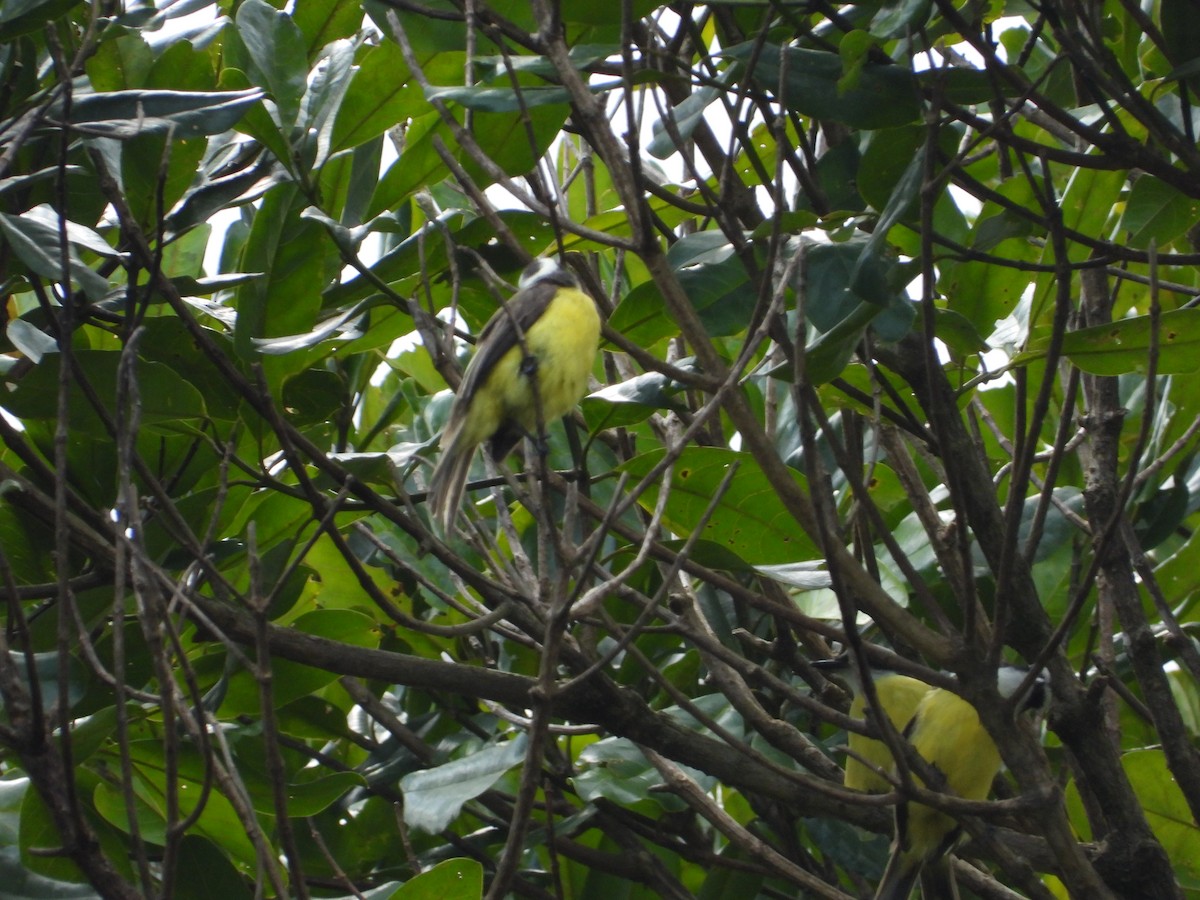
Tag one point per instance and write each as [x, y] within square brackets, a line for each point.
[947, 733]
[548, 331]
[898, 698]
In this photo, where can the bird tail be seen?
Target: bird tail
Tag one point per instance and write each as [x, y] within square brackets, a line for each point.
[899, 877]
[938, 881]
[448, 482]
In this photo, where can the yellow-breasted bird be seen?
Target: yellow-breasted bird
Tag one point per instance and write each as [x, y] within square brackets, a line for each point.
[946, 731]
[548, 331]
[898, 696]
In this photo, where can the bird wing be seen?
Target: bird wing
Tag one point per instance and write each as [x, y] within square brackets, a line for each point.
[501, 333]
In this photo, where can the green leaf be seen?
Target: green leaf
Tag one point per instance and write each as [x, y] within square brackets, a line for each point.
[497, 99]
[454, 879]
[205, 872]
[807, 576]
[380, 95]
[433, 797]
[839, 172]
[830, 353]
[167, 401]
[1123, 346]
[897, 20]
[258, 123]
[45, 666]
[1166, 811]
[22, 884]
[35, 242]
[515, 141]
[721, 292]
[32, 343]
[217, 820]
[687, 117]
[428, 35]
[12, 792]
[18, 17]
[296, 257]
[750, 520]
[1187, 698]
[984, 293]
[616, 770]
[965, 86]
[124, 114]
[592, 13]
[293, 680]
[323, 100]
[882, 96]
[419, 165]
[886, 158]
[1159, 515]
[342, 326]
[869, 278]
[1157, 212]
[635, 399]
[276, 52]
[1180, 32]
[831, 297]
[27, 543]
[957, 333]
[854, 51]
[308, 798]
[41, 842]
[840, 278]
[325, 21]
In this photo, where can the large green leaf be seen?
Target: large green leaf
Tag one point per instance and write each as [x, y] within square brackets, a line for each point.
[324, 21]
[685, 118]
[124, 114]
[1165, 807]
[22, 884]
[635, 399]
[293, 680]
[878, 96]
[750, 520]
[433, 797]
[454, 879]
[500, 99]
[275, 55]
[35, 240]
[205, 872]
[19, 17]
[1157, 212]
[1124, 346]
[217, 819]
[166, 400]
[380, 96]
[296, 257]
[714, 280]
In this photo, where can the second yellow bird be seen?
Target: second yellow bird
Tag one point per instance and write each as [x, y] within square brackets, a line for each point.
[947, 733]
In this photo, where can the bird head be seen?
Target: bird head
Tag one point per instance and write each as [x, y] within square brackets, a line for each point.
[546, 269]
[1009, 680]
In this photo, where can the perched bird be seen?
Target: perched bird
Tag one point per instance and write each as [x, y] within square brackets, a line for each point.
[945, 730]
[898, 697]
[548, 331]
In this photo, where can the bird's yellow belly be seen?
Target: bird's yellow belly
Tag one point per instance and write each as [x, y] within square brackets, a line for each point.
[563, 346]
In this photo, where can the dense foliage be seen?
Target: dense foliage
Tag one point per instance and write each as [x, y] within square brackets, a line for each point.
[901, 329]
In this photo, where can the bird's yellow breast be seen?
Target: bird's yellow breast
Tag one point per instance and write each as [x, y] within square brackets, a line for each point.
[899, 696]
[563, 343]
[948, 734]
